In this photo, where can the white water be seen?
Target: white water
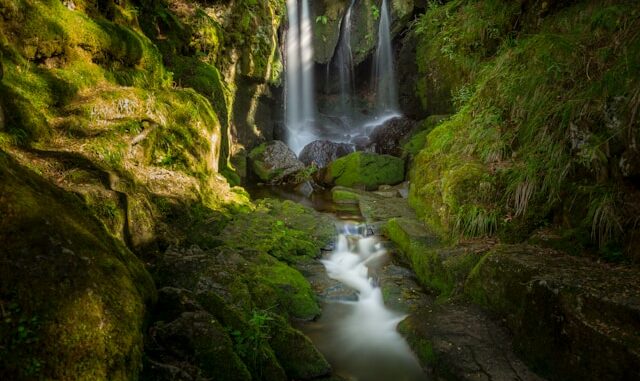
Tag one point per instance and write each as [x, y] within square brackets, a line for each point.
[344, 62]
[299, 99]
[384, 74]
[360, 337]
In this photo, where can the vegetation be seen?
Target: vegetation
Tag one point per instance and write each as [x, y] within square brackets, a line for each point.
[544, 102]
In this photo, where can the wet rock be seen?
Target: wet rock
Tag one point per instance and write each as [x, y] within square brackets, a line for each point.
[344, 195]
[367, 170]
[323, 152]
[361, 142]
[274, 162]
[305, 189]
[386, 139]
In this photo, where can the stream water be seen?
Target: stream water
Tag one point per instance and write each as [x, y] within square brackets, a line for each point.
[359, 337]
[356, 331]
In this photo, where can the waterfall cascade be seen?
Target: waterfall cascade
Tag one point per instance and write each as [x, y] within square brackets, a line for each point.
[384, 74]
[344, 63]
[300, 107]
[299, 99]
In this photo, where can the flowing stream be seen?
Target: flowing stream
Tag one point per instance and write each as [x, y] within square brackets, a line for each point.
[358, 336]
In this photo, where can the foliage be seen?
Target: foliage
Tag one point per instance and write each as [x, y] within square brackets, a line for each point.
[322, 19]
[252, 343]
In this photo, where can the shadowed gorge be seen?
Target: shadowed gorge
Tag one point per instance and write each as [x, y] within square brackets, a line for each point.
[320, 190]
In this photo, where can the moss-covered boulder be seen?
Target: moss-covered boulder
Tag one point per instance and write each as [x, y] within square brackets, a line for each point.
[367, 170]
[274, 162]
[73, 297]
[297, 354]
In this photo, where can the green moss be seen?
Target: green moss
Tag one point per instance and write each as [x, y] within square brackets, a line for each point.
[278, 286]
[342, 195]
[365, 170]
[296, 353]
[422, 347]
[89, 324]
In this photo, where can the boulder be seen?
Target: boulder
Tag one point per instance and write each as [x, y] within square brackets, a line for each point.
[274, 162]
[387, 138]
[323, 152]
[363, 169]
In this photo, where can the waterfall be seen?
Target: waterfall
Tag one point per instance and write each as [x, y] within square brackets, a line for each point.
[344, 62]
[299, 99]
[384, 75]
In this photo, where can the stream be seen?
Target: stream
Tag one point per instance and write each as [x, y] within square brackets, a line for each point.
[356, 331]
[359, 337]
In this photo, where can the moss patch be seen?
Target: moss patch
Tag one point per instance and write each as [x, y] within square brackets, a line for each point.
[368, 170]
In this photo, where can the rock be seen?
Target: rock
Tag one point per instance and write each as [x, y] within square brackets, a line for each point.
[408, 79]
[326, 28]
[274, 162]
[323, 152]
[296, 353]
[199, 335]
[73, 297]
[386, 139]
[343, 195]
[461, 342]
[368, 170]
[361, 142]
[560, 308]
[306, 189]
[365, 20]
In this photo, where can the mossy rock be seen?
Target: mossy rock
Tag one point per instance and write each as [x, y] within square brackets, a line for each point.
[284, 229]
[296, 353]
[274, 285]
[559, 308]
[344, 195]
[437, 266]
[367, 170]
[274, 162]
[75, 297]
